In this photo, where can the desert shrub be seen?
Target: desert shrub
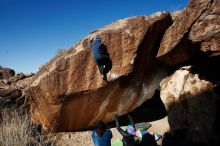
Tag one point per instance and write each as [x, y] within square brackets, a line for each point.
[61, 51]
[17, 130]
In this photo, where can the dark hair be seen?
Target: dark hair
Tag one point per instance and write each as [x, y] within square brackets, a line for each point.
[166, 139]
[148, 140]
[101, 125]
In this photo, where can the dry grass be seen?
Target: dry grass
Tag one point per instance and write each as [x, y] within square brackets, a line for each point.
[16, 129]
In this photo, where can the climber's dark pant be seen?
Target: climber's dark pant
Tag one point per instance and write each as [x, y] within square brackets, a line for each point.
[104, 65]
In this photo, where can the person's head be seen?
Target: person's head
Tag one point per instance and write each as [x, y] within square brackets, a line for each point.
[98, 38]
[166, 139]
[148, 140]
[100, 128]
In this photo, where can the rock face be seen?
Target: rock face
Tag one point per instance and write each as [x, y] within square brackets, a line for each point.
[69, 94]
[196, 28]
[192, 106]
[182, 83]
[6, 73]
[11, 86]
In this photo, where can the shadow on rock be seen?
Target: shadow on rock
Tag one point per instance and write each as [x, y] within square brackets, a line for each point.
[194, 121]
[151, 110]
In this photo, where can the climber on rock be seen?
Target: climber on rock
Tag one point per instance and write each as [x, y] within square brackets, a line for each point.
[101, 56]
[101, 136]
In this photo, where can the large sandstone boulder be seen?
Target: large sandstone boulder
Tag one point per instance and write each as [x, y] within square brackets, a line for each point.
[69, 94]
[195, 29]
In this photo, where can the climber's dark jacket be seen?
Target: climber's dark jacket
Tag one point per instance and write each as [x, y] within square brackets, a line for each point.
[97, 50]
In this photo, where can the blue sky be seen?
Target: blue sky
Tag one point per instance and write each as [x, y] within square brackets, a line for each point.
[31, 31]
